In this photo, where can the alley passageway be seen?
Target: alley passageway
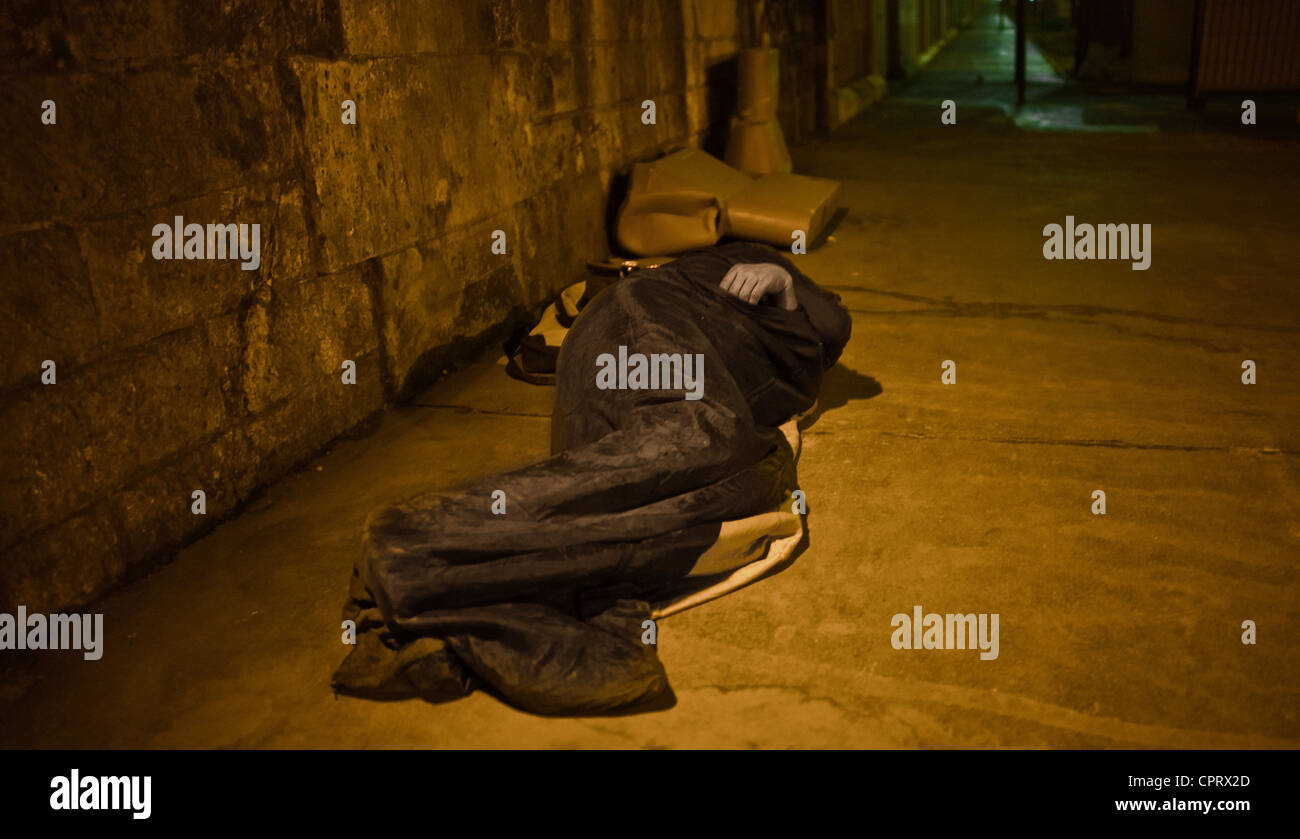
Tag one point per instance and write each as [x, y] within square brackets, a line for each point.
[1116, 630]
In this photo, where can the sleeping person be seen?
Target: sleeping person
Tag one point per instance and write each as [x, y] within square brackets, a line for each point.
[546, 606]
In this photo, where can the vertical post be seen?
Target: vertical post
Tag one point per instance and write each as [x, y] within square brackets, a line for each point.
[1194, 69]
[894, 40]
[1020, 52]
[1080, 36]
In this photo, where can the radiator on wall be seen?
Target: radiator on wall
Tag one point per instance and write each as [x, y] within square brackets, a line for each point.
[1247, 45]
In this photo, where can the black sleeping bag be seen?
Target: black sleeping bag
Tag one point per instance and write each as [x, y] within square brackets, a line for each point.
[544, 606]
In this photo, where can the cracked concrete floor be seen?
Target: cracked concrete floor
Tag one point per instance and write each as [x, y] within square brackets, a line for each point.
[1120, 630]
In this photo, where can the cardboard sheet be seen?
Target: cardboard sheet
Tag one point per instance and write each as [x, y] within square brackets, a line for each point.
[690, 199]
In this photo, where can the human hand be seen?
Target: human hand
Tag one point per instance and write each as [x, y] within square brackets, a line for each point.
[752, 282]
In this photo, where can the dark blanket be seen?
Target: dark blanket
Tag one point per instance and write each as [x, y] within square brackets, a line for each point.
[546, 605]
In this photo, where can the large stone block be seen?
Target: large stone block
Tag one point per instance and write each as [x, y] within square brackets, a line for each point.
[561, 81]
[635, 71]
[392, 27]
[665, 20]
[152, 402]
[714, 18]
[53, 35]
[406, 27]
[295, 339]
[46, 451]
[312, 327]
[156, 511]
[257, 28]
[604, 21]
[564, 21]
[437, 145]
[47, 309]
[608, 74]
[519, 24]
[64, 565]
[666, 66]
[141, 139]
[629, 21]
[140, 297]
[630, 64]
[49, 36]
[562, 227]
[645, 142]
[605, 135]
[564, 146]
[287, 434]
[448, 289]
[78, 440]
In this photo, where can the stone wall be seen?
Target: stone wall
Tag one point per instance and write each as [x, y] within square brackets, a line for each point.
[175, 376]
